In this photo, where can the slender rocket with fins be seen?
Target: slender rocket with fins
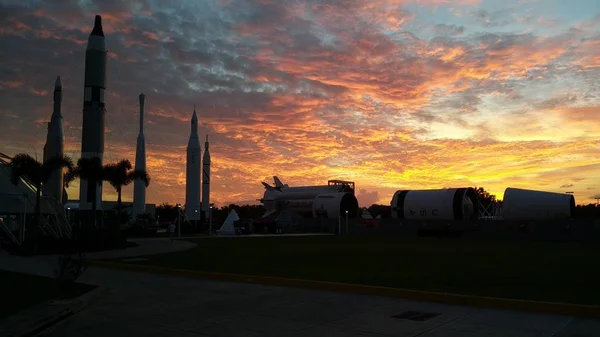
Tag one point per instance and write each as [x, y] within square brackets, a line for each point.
[206, 180]
[92, 135]
[192, 173]
[55, 146]
[139, 187]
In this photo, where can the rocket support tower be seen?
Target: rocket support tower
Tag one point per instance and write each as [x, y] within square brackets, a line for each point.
[139, 187]
[92, 136]
[206, 181]
[192, 173]
[55, 146]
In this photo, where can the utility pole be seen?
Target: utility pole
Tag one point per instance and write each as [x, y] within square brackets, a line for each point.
[346, 222]
[178, 220]
[210, 221]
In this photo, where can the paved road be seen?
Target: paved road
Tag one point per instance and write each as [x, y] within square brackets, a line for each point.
[137, 304]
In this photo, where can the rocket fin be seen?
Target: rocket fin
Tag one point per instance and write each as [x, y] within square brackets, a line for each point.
[267, 186]
[278, 182]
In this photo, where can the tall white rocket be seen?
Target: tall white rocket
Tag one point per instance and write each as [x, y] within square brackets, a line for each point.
[192, 173]
[206, 180]
[55, 145]
[94, 110]
[139, 187]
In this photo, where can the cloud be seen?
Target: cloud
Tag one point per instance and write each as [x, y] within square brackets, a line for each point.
[566, 186]
[367, 198]
[374, 92]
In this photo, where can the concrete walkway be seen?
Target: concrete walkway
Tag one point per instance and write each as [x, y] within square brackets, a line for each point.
[137, 304]
[44, 265]
[145, 247]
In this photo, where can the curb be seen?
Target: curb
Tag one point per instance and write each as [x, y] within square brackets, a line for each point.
[48, 321]
[418, 295]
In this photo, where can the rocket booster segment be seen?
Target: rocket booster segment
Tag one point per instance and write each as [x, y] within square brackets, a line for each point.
[192, 173]
[139, 187]
[92, 139]
[55, 145]
[206, 178]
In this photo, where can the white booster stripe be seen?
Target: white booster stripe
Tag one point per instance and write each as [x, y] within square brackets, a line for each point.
[87, 94]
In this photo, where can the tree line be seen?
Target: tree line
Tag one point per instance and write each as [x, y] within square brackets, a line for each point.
[166, 212]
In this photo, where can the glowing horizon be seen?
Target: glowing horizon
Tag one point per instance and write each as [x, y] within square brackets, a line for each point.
[390, 94]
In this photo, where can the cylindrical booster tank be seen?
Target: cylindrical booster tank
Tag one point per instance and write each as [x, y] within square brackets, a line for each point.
[521, 204]
[334, 205]
[443, 204]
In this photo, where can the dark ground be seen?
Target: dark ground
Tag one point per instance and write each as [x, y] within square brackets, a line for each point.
[548, 271]
[21, 291]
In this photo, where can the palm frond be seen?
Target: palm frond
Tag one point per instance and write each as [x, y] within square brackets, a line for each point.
[25, 166]
[70, 176]
[54, 164]
[59, 162]
[142, 175]
[90, 168]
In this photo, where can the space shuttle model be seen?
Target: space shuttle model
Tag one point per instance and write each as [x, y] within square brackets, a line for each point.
[206, 181]
[320, 201]
[192, 173]
[55, 146]
[92, 134]
[139, 187]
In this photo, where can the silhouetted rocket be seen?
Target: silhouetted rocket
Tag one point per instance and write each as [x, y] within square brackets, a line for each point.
[192, 173]
[139, 187]
[55, 146]
[92, 135]
[206, 180]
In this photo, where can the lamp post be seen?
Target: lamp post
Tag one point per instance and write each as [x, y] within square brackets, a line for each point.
[69, 215]
[346, 222]
[210, 221]
[178, 220]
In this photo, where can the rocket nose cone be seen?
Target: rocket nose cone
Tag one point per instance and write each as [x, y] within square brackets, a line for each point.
[57, 84]
[97, 26]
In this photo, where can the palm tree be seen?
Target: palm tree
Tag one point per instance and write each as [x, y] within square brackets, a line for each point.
[119, 175]
[89, 169]
[25, 166]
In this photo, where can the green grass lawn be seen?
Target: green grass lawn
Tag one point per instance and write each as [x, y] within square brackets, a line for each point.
[548, 271]
[21, 291]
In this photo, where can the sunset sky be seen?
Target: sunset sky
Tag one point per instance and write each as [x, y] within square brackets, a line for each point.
[391, 94]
